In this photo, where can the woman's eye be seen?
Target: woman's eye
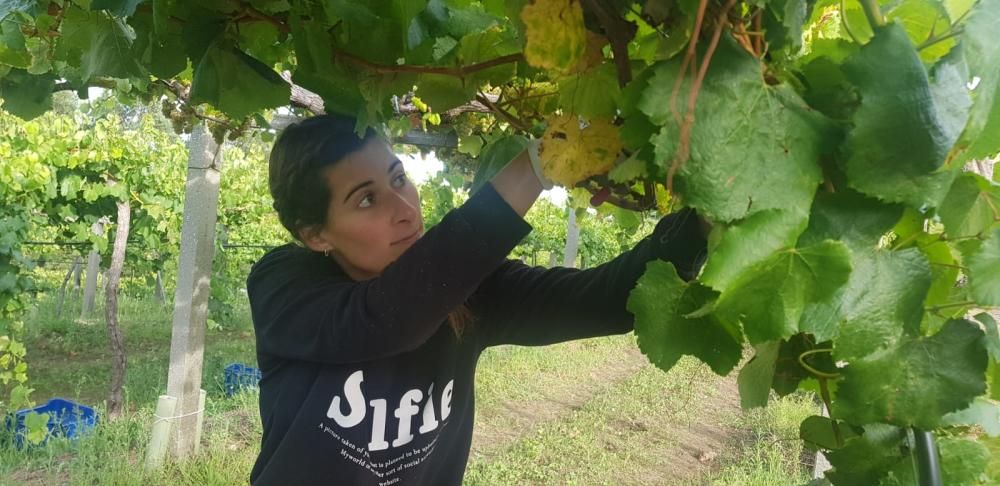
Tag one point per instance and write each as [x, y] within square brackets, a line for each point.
[366, 201]
[400, 180]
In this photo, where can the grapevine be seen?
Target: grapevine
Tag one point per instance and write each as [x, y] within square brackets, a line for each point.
[825, 140]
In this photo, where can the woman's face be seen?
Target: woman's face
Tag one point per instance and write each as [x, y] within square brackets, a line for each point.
[374, 213]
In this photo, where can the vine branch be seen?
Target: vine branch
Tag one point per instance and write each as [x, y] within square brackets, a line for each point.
[513, 120]
[684, 146]
[619, 32]
[458, 71]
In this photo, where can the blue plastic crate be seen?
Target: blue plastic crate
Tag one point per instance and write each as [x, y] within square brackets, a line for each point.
[239, 376]
[66, 419]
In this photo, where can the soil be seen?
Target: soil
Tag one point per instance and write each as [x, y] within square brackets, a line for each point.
[688, 438]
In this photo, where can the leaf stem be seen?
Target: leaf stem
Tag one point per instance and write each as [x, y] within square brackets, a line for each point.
[935, 308]
[873, 13]
[824, 393]
[809, 368]
[949, 265]
[977, 236]
[905, 241]
[758, 41]
[934, 40]
[847, 26]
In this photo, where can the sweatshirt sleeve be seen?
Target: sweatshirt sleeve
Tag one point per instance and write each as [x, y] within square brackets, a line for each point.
[305, 308]
[524, 305]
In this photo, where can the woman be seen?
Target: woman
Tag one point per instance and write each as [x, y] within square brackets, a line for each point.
[369, 332]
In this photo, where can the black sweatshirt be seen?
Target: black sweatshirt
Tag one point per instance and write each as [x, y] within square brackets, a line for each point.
[365, 383]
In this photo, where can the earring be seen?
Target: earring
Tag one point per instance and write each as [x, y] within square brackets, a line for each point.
[326, 253]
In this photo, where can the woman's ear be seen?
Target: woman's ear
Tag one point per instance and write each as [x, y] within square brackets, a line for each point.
[312, 237]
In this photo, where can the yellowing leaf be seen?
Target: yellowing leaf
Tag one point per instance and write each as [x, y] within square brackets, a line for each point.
[570, 154]
[556, 37]
[593, 52]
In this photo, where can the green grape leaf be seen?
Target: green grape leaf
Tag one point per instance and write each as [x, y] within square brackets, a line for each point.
[817, 432]
[631, 169]
[98, 44]
[898, 139]
[469, 19]
[769, 297]
[13, 48]
[789, 373]
[496, 156]
[741, 126]
[957, 8]
[984, 271]
[591, 94]
[992, 335]
[916, 382]
[162, 53]
[636, 133]
[377, 30]
[755, 377]
[851, 218]
[25, 95]
[485, 46]
[118, 8]
[443, 46]
[443, 92]
[963, 461]
[994, 380]
[944, 272]
[470, 145]
[971, 206]
[649, 45]
[922, 19]
[317, 72]
[631, 94]
[749, 242]
[882, 301]
[237, 84]
[953, 102]
[981, 137]
[669, 324]
[783, 21]
[983, 412]
[866, 459]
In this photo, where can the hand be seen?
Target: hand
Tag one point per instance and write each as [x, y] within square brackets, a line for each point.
[681, 239]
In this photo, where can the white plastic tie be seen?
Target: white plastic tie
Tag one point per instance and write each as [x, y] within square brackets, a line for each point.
[175, 417]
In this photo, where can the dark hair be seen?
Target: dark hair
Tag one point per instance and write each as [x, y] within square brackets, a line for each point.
[298, 158]
[295, 177]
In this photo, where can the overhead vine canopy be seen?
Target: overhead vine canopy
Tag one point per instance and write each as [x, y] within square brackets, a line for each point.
[824, 139]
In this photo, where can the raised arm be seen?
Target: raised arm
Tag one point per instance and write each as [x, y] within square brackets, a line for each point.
[526, 305]
[305, 308]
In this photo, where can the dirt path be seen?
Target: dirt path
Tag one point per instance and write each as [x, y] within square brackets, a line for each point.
[681, 438]
[501, 426]
[693, 440]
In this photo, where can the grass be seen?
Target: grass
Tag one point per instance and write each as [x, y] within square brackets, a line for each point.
[591, 412]
[770, 447]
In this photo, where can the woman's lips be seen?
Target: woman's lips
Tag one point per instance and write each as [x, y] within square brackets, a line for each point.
[408, 239]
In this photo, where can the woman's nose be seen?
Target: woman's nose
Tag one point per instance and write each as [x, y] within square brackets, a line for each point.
[404, 209]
